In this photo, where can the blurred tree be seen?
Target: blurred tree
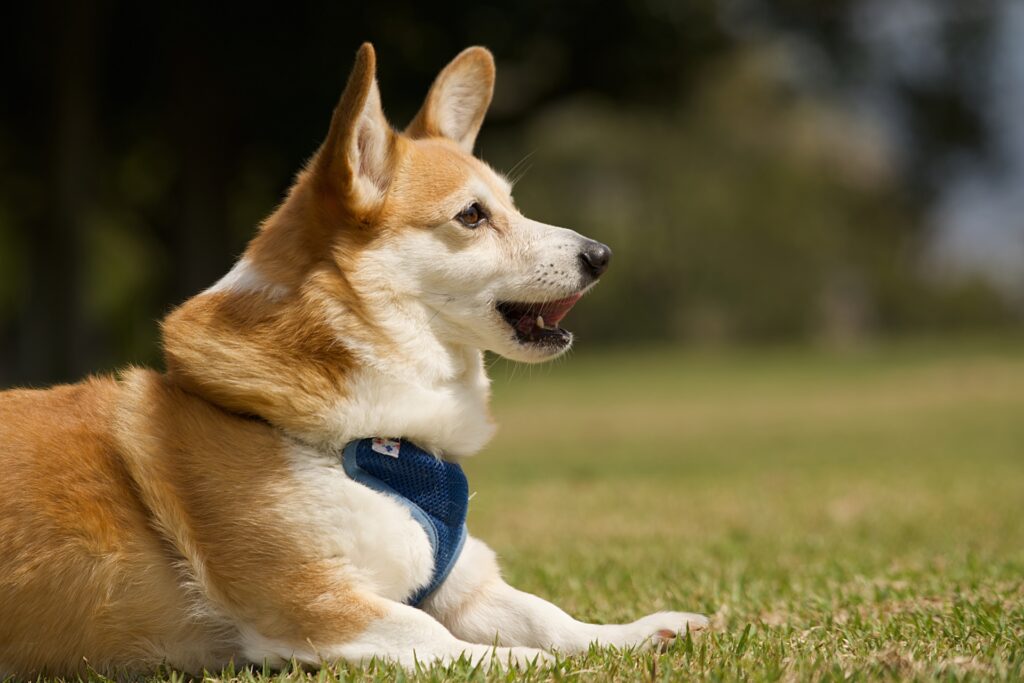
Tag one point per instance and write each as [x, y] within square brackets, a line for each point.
[753, 213]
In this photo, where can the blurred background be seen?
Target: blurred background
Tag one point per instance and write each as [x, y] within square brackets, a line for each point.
[766, 172]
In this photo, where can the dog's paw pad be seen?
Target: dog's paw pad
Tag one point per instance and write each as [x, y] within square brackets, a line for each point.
[664, 637]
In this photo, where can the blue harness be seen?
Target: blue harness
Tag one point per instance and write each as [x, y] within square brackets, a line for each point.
[436, 493]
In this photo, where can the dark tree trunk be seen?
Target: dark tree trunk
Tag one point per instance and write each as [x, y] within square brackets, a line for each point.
[56, 337]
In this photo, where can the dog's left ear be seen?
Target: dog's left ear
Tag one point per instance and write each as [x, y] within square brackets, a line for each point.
[356, 157]
[458, 99]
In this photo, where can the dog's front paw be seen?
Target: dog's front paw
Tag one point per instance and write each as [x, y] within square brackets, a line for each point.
[660, 629]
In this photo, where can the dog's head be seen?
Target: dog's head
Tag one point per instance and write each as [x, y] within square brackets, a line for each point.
[423, 226]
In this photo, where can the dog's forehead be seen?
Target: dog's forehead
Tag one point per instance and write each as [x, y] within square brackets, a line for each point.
[436, 169]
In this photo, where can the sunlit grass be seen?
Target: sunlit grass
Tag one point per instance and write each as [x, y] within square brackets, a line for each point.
[854, 515]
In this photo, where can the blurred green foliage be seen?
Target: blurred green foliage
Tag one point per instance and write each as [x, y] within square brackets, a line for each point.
[754, 213]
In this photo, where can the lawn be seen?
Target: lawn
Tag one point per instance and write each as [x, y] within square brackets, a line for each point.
[854, 515]
[839, 515]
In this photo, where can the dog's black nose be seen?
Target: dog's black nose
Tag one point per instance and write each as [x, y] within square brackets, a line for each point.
[595, 257]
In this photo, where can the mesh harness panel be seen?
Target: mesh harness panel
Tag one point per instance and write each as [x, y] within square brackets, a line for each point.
[435, 492]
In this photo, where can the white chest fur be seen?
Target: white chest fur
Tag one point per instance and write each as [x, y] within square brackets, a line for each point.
[449, 417]
[386, 550]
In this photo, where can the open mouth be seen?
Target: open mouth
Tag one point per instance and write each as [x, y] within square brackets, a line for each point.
[537, 323]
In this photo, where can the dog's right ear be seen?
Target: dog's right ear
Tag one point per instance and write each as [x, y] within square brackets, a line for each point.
[356, 157]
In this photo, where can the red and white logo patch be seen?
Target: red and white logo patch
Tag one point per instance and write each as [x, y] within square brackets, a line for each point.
[388, 447]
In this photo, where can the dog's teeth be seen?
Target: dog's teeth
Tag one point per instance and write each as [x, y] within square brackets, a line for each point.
[540, 321]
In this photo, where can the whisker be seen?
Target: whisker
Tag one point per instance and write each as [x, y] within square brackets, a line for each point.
[522, 174]
[514, 178]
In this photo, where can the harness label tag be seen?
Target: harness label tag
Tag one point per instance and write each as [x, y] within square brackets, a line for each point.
[388, 447]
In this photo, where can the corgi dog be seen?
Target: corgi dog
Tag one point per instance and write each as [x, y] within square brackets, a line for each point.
[238, 507]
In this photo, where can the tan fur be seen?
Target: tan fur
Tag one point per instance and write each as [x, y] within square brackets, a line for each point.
[292, 366]
[82, 573]
[210, 480]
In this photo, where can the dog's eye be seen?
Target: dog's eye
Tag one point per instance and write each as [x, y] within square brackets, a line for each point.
[472, 216]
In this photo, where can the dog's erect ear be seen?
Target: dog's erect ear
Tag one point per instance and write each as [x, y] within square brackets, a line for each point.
[458, 99]
[356, 156]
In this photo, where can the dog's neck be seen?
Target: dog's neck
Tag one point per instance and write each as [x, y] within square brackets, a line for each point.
[328, 367]
[409, 380]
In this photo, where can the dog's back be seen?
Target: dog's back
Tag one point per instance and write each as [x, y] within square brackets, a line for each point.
[82, 569]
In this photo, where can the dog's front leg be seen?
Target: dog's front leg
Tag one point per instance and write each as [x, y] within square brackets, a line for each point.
[397, 633]
[476, 605]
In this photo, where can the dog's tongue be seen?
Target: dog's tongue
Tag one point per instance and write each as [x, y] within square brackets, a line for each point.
[551, 311]
[554, 311]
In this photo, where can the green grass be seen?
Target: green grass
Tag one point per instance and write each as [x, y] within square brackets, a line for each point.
[839, 516]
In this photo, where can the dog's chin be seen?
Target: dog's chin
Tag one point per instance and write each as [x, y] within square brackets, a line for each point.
[514, 349]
